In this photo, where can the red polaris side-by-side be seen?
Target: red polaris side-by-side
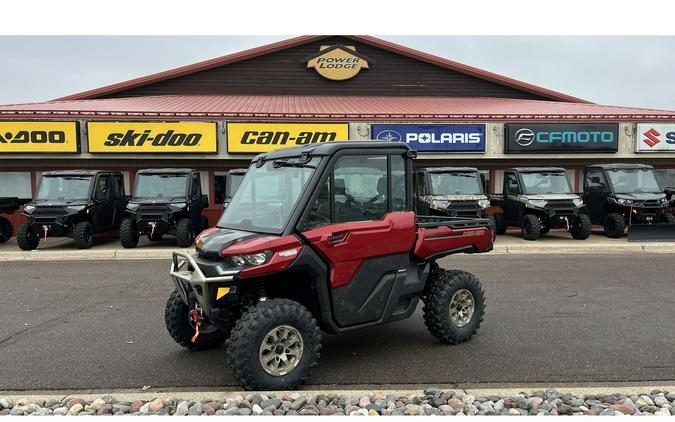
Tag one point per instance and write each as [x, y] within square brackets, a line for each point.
[321, 237]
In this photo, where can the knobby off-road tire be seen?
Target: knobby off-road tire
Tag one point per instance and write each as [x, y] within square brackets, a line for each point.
[6, 230]
[581, 227]
[530, 227]
[128, 233]
[26, 238]
[545, 228]
[177, 321]
[668, 218]
[247, 348]
[184, 233]
[83, 234]
[614, 225]
[442, 287]
[500, 223]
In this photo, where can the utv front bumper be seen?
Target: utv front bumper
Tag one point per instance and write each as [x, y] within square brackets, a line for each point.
[213, 293]
[53, 226]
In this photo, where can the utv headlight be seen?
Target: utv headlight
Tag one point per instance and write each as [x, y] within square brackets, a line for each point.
[440, 204]
[484, 203]
[538, 203]
[29, 209]
[251, 260]
[132, 207]
[578, 202]
[622, 201]
[177, 205]
[77, 208]
[663, 201]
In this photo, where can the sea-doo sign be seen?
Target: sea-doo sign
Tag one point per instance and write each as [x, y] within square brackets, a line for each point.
[433, 138]
[655, 137]
[561, 138]
[39, 137]
[152, 137]
[338, 62]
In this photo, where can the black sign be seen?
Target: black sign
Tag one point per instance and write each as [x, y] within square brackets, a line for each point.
[561, 138]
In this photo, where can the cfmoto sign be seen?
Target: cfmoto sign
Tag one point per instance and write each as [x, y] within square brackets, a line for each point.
[561, 138]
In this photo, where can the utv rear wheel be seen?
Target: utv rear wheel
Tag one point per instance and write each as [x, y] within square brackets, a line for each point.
[184, 233]
[581, 227]
[128, 233]
[274, 346]
[668, 218]
[26, 238]
[453, 306]
[177, 317]
[500, 223]
[6, 230]
[530, 227]
[614, 225]
[83, 234]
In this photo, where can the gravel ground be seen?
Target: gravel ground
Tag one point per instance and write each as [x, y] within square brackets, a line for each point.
[433, 402]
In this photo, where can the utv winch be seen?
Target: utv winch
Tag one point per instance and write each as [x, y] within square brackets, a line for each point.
[165, 201]
[73, 203]
[9, 206]
[628, 195]
[321, 237]
[451, 192]
[537, 199]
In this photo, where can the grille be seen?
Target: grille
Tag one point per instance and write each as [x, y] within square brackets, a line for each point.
[48, 210]
[652, 203]
[153, 209]
[560, 204]
[464, 204]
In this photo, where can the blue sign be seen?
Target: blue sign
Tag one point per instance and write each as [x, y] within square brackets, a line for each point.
[433, 138]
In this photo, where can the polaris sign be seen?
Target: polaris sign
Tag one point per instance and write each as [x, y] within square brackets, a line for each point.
[561, 138]
[433, 138]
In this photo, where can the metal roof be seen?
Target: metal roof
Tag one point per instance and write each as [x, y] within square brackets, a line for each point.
[77, 172]
[165, 171]
[328, 108]
[293, 42]
[610, 166]
[536, 169]
[448, 169]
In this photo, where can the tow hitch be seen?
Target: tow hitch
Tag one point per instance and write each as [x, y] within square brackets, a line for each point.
[195, 320]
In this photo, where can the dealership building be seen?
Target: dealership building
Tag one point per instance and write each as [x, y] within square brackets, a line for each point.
[216, 115]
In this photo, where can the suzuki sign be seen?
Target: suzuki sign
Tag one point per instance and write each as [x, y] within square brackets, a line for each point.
[655, 137]
[561, 138]
[433, 138]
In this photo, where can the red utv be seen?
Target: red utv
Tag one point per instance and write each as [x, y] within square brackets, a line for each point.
[321, 237]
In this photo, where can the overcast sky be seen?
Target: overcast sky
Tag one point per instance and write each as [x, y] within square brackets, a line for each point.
[628, 71]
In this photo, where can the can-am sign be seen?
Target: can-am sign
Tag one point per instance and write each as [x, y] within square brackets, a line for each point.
[433, 138]
[39, 137]
[265, 137]
[152, 137]
[655, 138]
[561, 138]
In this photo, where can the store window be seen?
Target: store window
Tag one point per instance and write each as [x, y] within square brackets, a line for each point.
[118, 185]
[15, 185]
[485, 180]
[666, 177]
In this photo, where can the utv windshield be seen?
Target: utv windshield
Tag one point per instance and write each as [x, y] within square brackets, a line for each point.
[456, 183]
[156, 186]
[267, 196]
[538, 183]
[64, 188]
[634, 181]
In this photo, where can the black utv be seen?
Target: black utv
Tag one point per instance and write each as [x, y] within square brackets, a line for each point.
[9, 206]
[537, 199]
[621, 195]
[165, 201]
[450, 192]
[73, 203]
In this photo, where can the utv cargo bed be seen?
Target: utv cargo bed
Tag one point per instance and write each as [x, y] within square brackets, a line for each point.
[441, 236]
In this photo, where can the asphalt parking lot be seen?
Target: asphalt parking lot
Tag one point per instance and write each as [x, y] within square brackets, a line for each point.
[549, 318]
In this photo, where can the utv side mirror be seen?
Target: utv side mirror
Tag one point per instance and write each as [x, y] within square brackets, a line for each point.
[205, 201]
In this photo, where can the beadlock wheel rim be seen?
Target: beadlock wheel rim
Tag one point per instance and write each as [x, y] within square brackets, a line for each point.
[462, 307]
[281, 350]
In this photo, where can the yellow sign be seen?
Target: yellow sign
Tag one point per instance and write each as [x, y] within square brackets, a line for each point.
[338, 62]
[265, 137]
[39, 137]
[151, 137]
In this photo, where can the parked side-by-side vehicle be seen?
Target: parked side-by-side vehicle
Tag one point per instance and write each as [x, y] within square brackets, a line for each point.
[537, 199]
[165, 201]
[321, 237]
[9, 205]
[73, 203]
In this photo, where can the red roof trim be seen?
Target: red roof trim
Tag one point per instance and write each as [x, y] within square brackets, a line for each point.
[292, 42]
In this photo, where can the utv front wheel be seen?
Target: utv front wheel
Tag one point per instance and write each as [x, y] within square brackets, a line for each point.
[274, 346]
[26, 238]
[581, 227]
[614, 225]
[179, 323]
[184, 234]
[668, 218]
[453, 306]
[83, 234]
[6, 230]
[128, 233]
[530, 227]
[500, 223]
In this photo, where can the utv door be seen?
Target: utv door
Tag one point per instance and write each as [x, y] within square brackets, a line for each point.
[196, 204]
[596, 190]
[103, 211]
[512, 207]
[119, 200]
[361, 223]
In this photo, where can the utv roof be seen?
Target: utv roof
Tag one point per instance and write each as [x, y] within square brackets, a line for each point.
[622, 166]
[237, 171]
[329, 148]
[449, 169]
[76, 172]
[535, 169]
[165, 171]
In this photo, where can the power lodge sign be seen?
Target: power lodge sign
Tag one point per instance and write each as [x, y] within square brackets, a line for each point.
[39, 137]
[338, 62]
[152, 137]
[265, 137]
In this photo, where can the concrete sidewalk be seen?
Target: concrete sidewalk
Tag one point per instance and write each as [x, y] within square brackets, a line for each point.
[557, 241]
